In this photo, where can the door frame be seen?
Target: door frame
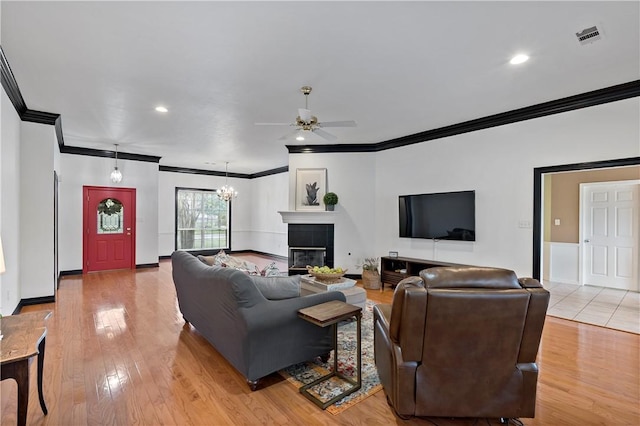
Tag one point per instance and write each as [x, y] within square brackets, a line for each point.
[56, 248]
[582, 213]
[538, 231]
[85, 219]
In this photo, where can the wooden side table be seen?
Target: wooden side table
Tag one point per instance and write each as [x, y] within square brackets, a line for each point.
[24, 336]
[330, 314]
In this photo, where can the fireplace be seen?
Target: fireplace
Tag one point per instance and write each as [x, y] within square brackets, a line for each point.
[309, 244]
[300, 257]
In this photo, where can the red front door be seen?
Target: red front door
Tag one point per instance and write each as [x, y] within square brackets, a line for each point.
[108, 228]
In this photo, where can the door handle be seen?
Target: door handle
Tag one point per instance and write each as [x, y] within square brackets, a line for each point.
[128, 229]
[128, 233]
[587, 241]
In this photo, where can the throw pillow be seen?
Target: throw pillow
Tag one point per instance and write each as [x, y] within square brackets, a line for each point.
[207, 260]
[276, 288]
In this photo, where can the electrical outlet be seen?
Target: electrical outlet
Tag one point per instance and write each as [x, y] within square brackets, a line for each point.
[556, 222]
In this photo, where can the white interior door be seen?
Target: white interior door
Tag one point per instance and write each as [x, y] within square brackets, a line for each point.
[609, 234]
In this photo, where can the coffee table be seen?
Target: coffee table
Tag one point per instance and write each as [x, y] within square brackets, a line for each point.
[23, 337]
[330, 314]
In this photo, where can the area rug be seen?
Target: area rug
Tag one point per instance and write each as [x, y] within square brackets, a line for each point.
[307, 372]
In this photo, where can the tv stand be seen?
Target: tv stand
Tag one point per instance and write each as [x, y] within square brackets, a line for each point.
[395, 269]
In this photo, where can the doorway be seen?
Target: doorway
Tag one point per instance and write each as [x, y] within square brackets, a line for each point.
[109, 216]
[538, 192]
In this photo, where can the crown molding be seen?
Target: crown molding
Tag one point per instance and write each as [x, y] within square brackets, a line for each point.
[277, 171]
[108, 154]
[12, 89]
[347, 147]
[11, 85]
[187, 170]
[202, 172]
[40, 117]
[601, 96]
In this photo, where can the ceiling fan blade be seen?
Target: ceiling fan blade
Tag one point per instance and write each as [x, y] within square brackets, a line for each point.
[326, 135]
[289, 135]
[348, 123]
[273, 124]
[304, 114]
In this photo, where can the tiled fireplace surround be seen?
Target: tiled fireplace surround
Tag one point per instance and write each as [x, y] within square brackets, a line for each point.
[304, 240]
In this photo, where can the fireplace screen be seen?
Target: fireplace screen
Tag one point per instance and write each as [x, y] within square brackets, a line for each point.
[300, 257]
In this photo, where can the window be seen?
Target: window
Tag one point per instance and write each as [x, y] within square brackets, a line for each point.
[202, 220]
[110, 216]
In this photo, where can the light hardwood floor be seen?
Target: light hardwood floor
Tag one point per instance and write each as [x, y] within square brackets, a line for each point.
[118, 352]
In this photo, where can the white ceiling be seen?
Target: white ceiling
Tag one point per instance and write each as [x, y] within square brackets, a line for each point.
[396, 68]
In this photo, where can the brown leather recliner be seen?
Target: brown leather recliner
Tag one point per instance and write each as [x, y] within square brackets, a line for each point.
[461, 342]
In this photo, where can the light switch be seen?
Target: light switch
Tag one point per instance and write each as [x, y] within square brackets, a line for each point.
[556, 222]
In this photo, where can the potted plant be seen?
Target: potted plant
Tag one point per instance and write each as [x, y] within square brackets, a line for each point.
[370, 275]
[330, 200]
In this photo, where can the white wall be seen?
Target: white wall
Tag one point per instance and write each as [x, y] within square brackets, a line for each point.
[564, 261]
[9, 204]
[269, 196]
[497, 163]
[352, 177]
[37, 146]
[241, 207]
[79, 170]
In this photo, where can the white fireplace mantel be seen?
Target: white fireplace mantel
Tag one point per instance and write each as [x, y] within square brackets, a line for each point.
[308, 216]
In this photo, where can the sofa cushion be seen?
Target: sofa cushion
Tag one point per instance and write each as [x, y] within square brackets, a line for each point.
[276, 288]
[226, 261]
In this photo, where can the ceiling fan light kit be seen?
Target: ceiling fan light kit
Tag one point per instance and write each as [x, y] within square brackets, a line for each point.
[307, 122]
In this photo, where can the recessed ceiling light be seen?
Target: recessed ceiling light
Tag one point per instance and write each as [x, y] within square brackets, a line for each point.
[518, 59]
[161, 109]
[299, 138]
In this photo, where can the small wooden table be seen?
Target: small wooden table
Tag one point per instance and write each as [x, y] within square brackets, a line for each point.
[24, 336]
[323, 315]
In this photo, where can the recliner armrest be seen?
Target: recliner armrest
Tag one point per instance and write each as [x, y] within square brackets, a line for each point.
[382, 314]
[529, 283]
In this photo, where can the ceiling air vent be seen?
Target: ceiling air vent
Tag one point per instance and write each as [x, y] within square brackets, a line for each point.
[588, 35]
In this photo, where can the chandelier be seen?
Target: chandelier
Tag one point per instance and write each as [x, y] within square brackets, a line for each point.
[116, 175]
[227, 192]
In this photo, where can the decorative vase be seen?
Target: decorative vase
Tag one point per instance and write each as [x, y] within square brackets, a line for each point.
[330, 207]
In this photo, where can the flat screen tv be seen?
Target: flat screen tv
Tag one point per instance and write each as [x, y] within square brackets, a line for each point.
[439, 216]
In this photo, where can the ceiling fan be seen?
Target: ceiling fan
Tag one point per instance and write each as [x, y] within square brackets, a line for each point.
[307, 122]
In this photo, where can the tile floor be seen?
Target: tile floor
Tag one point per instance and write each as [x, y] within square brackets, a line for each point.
[606, 307]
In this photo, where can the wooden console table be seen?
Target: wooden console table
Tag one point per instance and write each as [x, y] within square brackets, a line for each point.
[324, 315]
[23, 337]
[395, 269]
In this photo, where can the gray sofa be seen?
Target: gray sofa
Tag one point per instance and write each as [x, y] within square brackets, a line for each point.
[256, 335]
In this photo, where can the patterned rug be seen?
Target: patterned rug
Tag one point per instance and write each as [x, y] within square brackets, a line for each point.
[307, 372]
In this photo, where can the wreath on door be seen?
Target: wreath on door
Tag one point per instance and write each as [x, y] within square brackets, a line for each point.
[109, 207]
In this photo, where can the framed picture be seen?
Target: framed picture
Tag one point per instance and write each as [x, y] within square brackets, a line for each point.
[393, 254]
[311, 185]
